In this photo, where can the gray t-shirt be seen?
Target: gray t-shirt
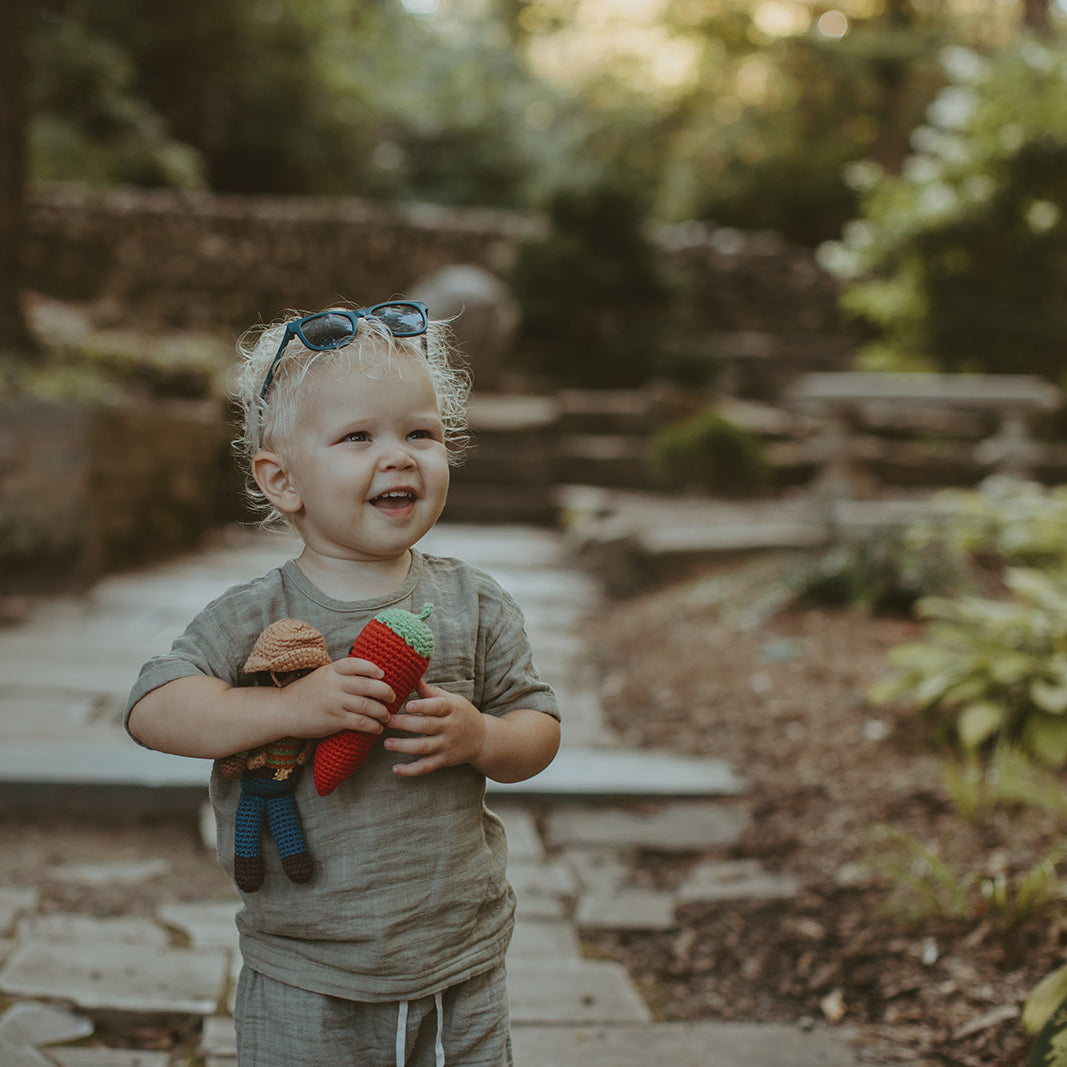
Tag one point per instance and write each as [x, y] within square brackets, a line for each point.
[409, 894]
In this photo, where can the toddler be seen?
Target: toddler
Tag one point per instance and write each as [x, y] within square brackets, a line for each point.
[393, 952]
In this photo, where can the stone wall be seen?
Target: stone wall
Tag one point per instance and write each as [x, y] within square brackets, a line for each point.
[206, 260]
[86, 490]
[210, 261]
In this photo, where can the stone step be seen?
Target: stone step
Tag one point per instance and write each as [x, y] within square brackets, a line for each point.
[606, 411]
[704, 1044]
[581, 991]
[100, 771]
[614, 461]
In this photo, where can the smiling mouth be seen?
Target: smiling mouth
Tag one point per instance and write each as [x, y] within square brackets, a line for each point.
[397, 498]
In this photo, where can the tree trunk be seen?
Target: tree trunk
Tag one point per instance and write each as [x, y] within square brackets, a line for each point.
[15, 338]
[1036, 16]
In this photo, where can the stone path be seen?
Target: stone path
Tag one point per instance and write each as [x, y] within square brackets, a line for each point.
[571, 831]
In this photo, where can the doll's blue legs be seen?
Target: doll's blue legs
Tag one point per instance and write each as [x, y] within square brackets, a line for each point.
[265, 800]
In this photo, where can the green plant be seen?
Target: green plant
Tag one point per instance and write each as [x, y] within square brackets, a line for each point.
[594, 303]
[991, 669]
[709, 450]
[1005, 522]
[1047, 1007]
[884, 571]
[960, 261]
[927, 886]
[1007, 780]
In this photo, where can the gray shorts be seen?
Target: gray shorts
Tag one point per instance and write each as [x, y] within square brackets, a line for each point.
[279, 1025]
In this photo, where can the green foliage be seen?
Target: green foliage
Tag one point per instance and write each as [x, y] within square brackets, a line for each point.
[880, 572]
[91, 125]
[324, 97]
[594, 304]
[1006, 521]
[1048, 999]
[992, 669]
[962, 259]
[1007, 781]
[964, 546]
[85, 364]
[925, 886]
[994, 666]
[710, 451]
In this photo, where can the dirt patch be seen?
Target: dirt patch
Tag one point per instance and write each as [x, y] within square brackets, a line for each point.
[783, 698]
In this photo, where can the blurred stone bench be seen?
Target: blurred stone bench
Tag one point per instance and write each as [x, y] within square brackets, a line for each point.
[841, 402]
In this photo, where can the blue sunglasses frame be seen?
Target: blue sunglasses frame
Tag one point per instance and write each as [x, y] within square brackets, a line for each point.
[336, 328]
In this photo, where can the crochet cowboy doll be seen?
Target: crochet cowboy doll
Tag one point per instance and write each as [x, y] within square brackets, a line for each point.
[284, 651]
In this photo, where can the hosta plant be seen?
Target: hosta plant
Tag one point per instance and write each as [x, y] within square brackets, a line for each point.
[991, 669]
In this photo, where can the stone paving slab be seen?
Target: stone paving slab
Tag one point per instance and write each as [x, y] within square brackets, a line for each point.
[669, 826]
[540, 939]
[625, 909]
[535, 908]
[118, 977]
[15, 901]
[717, 880]
[607, 773]
[67, 928]
[23, 1056]
[101, 757]
[584, 991]
[524, 842]
[110, 872]
[547, 878]
[108, 1057]
[36, 1025]
[680, 1045]
[207, 924]
[219, 1037]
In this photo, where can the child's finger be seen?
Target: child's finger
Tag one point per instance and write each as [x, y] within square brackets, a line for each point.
[355, 665]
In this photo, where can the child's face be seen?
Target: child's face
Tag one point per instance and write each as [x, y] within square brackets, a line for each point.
[367, 462]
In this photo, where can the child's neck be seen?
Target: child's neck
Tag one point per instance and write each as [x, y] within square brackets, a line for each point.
[346, 579]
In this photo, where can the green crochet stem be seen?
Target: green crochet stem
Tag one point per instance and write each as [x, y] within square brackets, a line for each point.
[410, 628]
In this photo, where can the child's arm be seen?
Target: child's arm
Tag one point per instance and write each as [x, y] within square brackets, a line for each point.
[450, 730]
[205, 717]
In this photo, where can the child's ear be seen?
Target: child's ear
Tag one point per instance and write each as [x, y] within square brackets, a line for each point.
[268, 469]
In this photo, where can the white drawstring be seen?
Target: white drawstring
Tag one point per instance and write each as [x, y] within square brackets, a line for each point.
[402, 1032]
[439, 1044]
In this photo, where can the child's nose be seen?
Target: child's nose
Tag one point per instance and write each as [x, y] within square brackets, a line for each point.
[397, 456]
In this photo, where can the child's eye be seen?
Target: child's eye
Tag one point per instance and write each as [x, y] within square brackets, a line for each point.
[424, 434]
[356, 435]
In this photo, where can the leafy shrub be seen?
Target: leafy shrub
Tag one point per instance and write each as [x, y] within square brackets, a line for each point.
[992, 669]
[961, 260]
[962, 547]
[709, 450]
[593, 301]
[1006, 521]
[881, 572]
[926, 886]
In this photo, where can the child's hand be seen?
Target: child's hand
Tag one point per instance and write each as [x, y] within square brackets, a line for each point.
[345, 695]
[450, 729]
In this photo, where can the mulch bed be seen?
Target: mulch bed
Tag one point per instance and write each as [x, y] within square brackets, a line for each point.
[783, 698]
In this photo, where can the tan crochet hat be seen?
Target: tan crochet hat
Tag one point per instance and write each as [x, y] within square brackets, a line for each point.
[288, 645]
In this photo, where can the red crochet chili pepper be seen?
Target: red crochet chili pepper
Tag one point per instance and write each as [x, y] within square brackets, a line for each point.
[401, 644]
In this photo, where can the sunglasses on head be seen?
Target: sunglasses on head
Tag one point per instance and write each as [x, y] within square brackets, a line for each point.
[326, 330]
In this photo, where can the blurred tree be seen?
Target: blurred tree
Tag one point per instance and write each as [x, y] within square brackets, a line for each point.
[594, 304]
[15, 338]
[237, 81]
[961, 261]
[91, 125]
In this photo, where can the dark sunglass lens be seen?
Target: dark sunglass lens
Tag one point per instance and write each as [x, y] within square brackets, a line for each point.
[327, 330]
[403, 319]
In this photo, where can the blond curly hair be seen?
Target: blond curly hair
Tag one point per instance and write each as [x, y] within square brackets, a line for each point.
[268, 422]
